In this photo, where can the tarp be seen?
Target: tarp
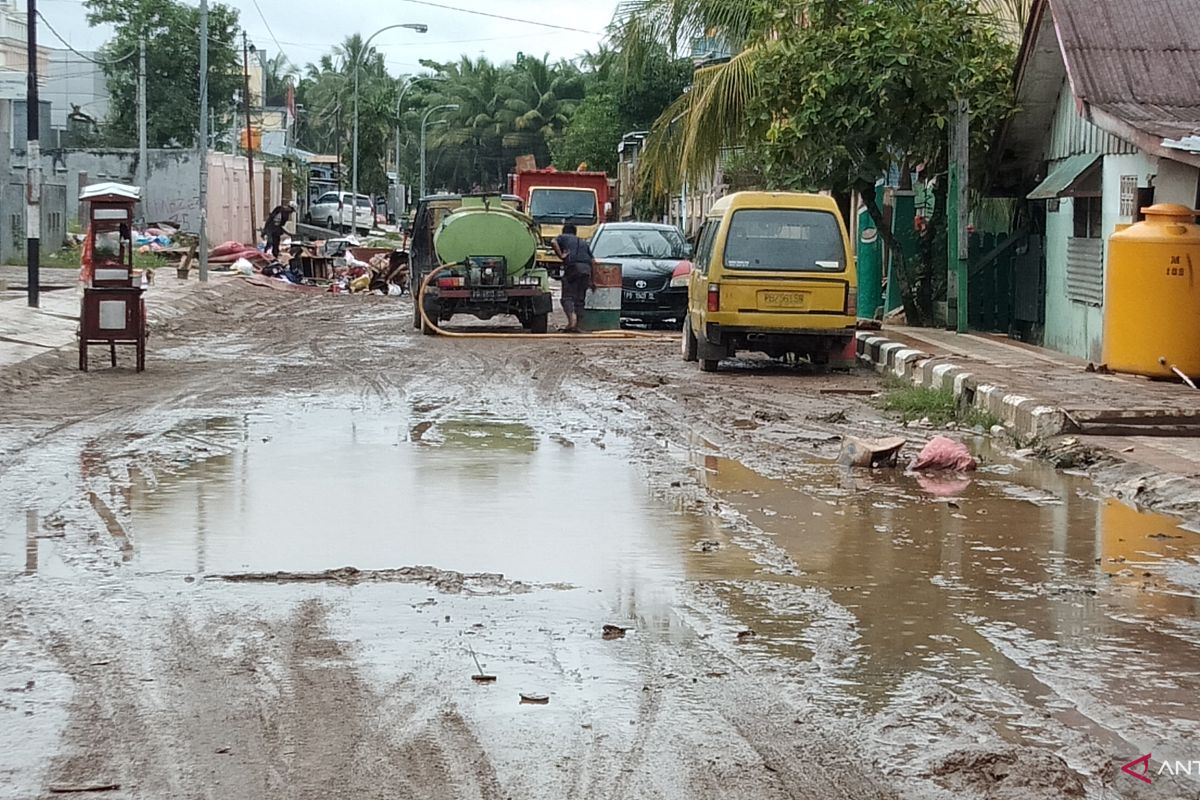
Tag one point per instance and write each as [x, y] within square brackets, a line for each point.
[1065, 177]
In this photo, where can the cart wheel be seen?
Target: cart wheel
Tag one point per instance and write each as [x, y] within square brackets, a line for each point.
[141, 354]
[83, 355]
[112, 351]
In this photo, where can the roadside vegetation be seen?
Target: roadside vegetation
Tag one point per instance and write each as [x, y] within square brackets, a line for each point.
[939, 406]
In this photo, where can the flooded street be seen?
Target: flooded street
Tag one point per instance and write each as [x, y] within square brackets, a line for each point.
[288, 581]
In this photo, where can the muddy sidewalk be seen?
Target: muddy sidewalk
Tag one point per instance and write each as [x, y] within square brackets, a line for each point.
[276, 562]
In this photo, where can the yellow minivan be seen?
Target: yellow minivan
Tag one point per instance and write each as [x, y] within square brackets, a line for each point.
[772, 273]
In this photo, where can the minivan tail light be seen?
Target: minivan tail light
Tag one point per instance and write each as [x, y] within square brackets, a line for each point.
[852, 301]
[714, 297]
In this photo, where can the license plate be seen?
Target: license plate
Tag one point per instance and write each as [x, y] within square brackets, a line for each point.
[638, 296]
[487, 294]
[770, 299]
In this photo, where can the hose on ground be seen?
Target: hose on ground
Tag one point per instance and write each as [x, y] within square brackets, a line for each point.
[619, 335]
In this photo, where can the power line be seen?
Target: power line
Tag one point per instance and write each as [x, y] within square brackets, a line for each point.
[500, 16]
[84, 56]
[271, 33]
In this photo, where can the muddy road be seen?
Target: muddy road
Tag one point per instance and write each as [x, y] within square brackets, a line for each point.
[275, 564]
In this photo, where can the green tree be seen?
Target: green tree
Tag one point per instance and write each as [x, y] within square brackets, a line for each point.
[279, 75]
[713, 114]
[619, 100]
[867, 85]
[327, 93]
[172, 67]
[504, 111]
[592, 136]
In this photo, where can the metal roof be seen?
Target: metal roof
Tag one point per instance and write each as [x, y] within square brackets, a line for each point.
[1131, 69]
[1065, 177]
[1137, 62]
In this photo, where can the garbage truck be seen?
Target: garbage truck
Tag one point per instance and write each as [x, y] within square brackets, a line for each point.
[553, 198]
[486, 251]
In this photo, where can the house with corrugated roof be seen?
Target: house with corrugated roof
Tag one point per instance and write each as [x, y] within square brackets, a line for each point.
[1108, 123]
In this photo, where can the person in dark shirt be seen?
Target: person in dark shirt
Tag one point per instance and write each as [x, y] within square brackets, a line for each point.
[275, 225]
[576, 256]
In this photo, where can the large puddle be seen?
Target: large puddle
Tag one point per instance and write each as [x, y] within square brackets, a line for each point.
[1017, 576]
[312, 492]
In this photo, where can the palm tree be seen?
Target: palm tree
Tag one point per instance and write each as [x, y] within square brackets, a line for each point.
[713, 114]
[279, 73]
[687, 139]
[1014, 14]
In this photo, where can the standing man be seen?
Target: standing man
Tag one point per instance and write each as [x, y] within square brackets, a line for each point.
[576, 256]
[275, 225]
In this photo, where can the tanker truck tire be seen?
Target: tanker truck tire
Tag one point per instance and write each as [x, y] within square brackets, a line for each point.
[539, 323]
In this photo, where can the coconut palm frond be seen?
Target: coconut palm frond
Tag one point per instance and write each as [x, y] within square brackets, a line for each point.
[1012, 15]
[688, 138]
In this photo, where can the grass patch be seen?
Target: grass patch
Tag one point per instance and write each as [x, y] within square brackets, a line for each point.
[68, 258]
[939, 406]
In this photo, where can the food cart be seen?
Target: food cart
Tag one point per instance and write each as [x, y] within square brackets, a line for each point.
[113, 311]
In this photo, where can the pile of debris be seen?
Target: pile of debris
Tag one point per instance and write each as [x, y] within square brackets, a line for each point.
[339, 266]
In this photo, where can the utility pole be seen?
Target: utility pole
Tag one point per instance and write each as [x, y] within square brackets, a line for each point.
[143, 167]
[203, 244]
[33, 165]
[249, 136]
[957, 218]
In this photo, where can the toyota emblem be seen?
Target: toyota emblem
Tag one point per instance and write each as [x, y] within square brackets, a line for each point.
[640, 284]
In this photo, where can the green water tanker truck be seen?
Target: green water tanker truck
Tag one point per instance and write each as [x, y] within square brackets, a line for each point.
[486, 250]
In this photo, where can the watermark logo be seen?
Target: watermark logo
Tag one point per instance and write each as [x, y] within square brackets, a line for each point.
[1139, 768]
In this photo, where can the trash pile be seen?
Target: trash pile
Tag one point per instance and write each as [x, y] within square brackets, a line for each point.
[155, 239]
[339, 266]
[233, 252]
[385, 274]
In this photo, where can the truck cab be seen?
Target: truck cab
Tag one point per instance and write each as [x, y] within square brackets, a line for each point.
[554, 198]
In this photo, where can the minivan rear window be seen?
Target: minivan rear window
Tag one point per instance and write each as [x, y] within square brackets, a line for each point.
[784, 240]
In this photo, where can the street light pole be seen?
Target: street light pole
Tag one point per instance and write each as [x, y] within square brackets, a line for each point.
[424, 123]
[399, 104]
[412, 26]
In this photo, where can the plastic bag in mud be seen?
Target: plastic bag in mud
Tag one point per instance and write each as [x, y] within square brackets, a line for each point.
[943, 453]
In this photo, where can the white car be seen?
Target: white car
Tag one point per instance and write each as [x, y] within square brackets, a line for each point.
[332, 210]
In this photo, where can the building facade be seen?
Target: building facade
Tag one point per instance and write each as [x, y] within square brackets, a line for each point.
[1101, 101]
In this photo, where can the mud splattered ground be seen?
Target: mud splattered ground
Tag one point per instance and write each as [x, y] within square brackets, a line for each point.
[271, 565]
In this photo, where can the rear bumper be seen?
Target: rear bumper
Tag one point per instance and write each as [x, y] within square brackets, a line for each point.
[822, 344]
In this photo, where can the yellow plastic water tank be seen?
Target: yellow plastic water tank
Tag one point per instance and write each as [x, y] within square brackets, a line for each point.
[1152, 302]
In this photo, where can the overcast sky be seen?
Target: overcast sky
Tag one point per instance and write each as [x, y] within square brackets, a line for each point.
[307, 28]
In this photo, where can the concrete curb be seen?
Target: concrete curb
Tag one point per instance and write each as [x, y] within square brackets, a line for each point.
[1026, 418]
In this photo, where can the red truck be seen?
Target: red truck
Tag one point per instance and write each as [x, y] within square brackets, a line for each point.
[555, 198]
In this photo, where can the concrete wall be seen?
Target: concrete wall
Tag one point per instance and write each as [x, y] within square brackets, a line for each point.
[1176, 183]
[12, 220]
[172, 192]
[1071, 327]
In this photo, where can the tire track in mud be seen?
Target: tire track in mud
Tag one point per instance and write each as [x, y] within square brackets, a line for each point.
[238, 707]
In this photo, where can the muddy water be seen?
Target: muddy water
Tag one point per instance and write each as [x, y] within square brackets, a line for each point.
[1015, 589]
[1015, 576]
[312, 492]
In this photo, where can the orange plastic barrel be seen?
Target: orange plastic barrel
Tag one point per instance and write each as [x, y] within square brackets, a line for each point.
[1152, 295]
